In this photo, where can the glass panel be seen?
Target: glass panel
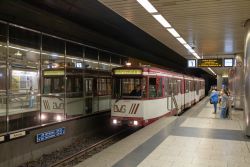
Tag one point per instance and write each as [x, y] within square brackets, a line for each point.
[91, 59]
[24, 60]
[115, 61]
[91, 75]
[159, 87]
[104, 61]
[104, 93]
[75, 103]
[129, 88]
[152, 87]
[53, 80]
[3, 51]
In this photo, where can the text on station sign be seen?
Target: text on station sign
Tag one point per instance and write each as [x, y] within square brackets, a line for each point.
[209, 63]
[127, 72]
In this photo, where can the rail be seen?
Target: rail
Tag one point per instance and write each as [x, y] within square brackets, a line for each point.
[83, 152]
[175, 102]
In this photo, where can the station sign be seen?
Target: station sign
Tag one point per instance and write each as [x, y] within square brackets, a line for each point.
[2, 138]
[17, 134]
[192, 63]
[209, 63]
[50, 134]
[128, 72]
[54, 72]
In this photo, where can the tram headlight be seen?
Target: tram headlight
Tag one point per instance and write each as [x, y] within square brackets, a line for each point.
[114, 121]
[135, 123]
[59, 118]
[43, 117]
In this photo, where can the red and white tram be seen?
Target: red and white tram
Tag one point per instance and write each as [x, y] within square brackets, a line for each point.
[159, 93]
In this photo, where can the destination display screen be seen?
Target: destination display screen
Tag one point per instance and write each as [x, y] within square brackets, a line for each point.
[228, 62]
[210, 63]
[128, 72]
[55, 72]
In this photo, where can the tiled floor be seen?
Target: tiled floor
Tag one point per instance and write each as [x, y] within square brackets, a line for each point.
[200, 139]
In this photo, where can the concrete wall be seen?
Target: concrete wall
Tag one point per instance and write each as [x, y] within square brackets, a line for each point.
[16, 152]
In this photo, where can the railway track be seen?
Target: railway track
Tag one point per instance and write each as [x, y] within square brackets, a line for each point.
[91, 150]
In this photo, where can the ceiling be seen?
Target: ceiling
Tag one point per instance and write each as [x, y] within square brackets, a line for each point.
[92, 23]
[214, 28]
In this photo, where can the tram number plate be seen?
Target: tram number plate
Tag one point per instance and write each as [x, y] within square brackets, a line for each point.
[50, 134]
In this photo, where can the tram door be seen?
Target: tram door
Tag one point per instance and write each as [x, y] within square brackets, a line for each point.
[88, 95]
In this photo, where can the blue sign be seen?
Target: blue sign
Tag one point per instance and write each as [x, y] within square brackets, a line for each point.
[50, 134]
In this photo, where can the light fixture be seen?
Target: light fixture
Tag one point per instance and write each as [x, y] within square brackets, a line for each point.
[211, 70]
[181, 40]
[147, 5]
[135, 123]
[18, 53]
[196, 55]
[187, 46]
[59, 118]
[128, 63]
[152, 10]
[162, 20]
[173, 32]
[114, 121]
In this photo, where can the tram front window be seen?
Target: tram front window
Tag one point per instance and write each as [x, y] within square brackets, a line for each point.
[53, 85]
[129, 88]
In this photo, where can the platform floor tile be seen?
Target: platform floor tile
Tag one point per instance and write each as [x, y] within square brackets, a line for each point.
[178, 151]
[116, 152]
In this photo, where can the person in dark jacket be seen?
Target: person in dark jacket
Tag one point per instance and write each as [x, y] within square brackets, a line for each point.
[136, 91]
[214, 97]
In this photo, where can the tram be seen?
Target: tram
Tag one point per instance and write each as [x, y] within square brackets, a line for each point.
[84, 91]
[159, 93]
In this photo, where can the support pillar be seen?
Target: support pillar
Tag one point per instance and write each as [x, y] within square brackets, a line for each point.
[247, 79]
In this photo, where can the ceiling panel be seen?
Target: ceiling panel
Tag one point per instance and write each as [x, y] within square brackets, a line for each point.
[212, 27]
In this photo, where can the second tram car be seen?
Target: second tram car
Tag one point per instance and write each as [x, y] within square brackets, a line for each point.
[143, 94]
[83, 89]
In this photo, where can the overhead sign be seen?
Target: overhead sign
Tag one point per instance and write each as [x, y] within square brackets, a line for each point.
[228, 62]
[209, 63]
[50, 134]
[191, 63]
[54, 72]
[128, 72]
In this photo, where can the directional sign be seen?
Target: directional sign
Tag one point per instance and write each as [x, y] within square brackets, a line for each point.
[210, 63]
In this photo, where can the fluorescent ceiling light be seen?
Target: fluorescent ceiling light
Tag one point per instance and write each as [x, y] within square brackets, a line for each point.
[147, 5]
[191, 50]
[211, 70]
[196, 55]
[162, 20]
[173, 32]
[187, 46]
[181, 40]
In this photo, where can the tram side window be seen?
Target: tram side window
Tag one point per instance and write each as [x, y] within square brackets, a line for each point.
[152, 87]
[159, 87]
[166, 87]
[179, 86]
[103, 86]
[187, 86]
[170, 87]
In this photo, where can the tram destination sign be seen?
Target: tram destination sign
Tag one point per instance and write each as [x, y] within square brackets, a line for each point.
[128, 72]
[50, 134]
[209, 63]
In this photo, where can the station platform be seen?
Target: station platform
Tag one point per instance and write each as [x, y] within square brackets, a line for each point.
[197, 138]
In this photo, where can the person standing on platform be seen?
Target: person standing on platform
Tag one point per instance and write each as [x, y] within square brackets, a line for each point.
[224, 104]
[32, 97]
[214, 99]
